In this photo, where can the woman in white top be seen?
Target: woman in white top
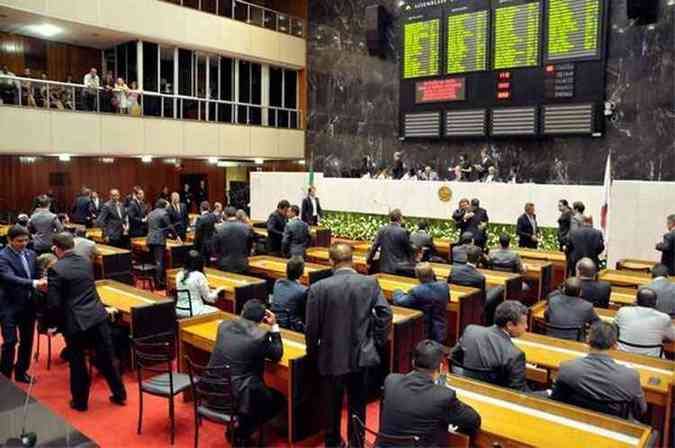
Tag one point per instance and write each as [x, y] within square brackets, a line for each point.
[191, 278]
[121, 90]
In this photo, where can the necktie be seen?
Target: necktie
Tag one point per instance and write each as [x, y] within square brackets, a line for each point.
[26, 268]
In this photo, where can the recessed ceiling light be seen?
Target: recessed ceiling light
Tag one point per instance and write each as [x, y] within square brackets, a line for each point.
[45, 29]
[146, 159]
[213, 160]
[64, 157]
[259, 161]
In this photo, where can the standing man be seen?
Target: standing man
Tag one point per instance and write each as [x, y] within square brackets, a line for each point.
[72, 293]
[179, 214]
[113, 220]
[345, 348]
[232, 243]
[476, 223]
[564, 222]
[159, 227]
[276, 224]
[205, 227]
[202, 193]
[95, 206]
[186, 197]
[578, 218]
[398, 170]
[136, 213]
[311, 208]
[81, 211]
[484, 165]
[91, 83]
[667, 246]
[296, 237]
[43, 225]
[458, 215]
[394, 244]
[18, 279]
[527, 228]
[584, 241]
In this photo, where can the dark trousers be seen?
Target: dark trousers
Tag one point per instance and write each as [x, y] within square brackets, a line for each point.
[157, 252]
[355, 384]
[16, 327]
[97, 338]
[90, 101]
[528, 244]
[269, 403]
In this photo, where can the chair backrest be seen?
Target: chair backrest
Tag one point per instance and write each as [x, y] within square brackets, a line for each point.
[153, 354]
[618, 408]
[504, 268]
[212, 387]
[488, 375]
[188, 308]
[655, 346]
[158, 318]
[571, 333]
[382, 439]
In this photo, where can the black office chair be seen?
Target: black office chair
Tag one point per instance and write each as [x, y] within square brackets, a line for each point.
[569, 333]
[381, 439]
[189, 298]
[617, 408]
[655, 346]
[504, 268]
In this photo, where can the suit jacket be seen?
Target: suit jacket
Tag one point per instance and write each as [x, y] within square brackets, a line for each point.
[458, 217]
[667, 249]
[179, 218]
[44, 225]
[16, 285]
[467, 275]
[415, 406]
[422, 240]
[395, 249]
[665, 292]
[232, 245]
[205, 228]
[244, 346]
[584, 241]
[95, 207]
[288, 304]
[111, 221]
[276, 224]
[136, 213]
[336, 343]
[307, 212]
[643, 326]
[564, 223]
[525, 231]
[296, 238]
[491, 348]
[479, 236]
[432, 300]
[459, 253]
[159, 227]
[81, 211]
[597, 292]
[506, 259]
[566, 311]
[72, 294]
[598, 377]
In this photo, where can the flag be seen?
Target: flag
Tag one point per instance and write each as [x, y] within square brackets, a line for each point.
[606, 189]
[311, 176]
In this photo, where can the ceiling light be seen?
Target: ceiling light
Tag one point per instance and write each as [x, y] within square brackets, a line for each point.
[301, 162]
[45, 29]
[259, 161]
[107, 160]
[213, 160]
[171, 161]
[27, 159]
[64, 157]
[146, 159]
[227, 164]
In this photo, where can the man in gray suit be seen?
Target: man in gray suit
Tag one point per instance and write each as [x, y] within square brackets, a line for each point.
[113, 220]
[232, 243]
[422, 240]
[596, 379]
[665, 289]
[459, 250]
[667, 246]
[159, 227]
[296, 237]
[43, 225]
[643, 325]
[505, 258]
[566, 309]
[491, 348]
[393, 242]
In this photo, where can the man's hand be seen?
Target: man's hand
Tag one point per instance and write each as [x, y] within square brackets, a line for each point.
[535, 239]
[41, 285]
[178, 240]
[270, 318]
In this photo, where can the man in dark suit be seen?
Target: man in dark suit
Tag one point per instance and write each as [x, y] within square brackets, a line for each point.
[459, 251]
[44, 224]
[245, 346]
[179, 214]
[289, 297]
[113, 220]
[477, 221]
[95, 206]
[311, 208]
[136, 213]
[72, 294]
[564, 222]
[345, 348]
[393, 242]
[205, 228]
[491, 348]
[232, 243]
[595, 291]
[597, 378]
[296, 237]
[506, 259]
[431, 297]
[421, 240]
[81, 211]
[468, 275]
[458, 215]
[159, 228]
[18, 279]
[527, 228]
[566, 309]
[584, 241]
[664, 288]
[417, 405]
[276, 223]
[667, 246]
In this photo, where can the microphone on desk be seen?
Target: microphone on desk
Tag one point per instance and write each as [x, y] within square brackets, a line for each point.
[26, 439]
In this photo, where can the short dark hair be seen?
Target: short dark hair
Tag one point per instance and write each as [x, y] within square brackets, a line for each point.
[283, 204]
[230, 212]
[296, 210]
[16, 232]
[504, 240]
[475, 202]
[671, 218]
[660, 270]
[572, 287]
[509, 311]
[395, 215]
[204, 206]
[473, 254]
[466, 237]
[579, 206]
[428, 355]
[341, 253]
[646, 297]
[564, 202]
[63, 241]
[603, 335]
[194, 262]
[423, 225]
[43, 201]
[161, 203]
[254, 310]
[295, 268]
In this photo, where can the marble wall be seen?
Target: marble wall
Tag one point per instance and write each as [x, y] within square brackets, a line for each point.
[353, 104]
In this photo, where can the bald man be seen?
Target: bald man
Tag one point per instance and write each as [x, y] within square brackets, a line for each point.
[643, 325]
[595, 291]
[113, 220]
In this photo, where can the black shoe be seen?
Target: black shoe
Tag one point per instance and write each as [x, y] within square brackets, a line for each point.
[119, 401]
[24, 378]
[76, 407]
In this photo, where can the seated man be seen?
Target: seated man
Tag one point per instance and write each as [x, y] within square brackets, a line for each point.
[416, 405]
[665, 289]
[245, 347]
[421, 240]
[643, 325]
[468, 275]
[491, 348]
[506, 259]
[566, 309]
[85, 247]
[598, 382]
[459, 251]
[289, 297]
[595, 291]
[431, 297]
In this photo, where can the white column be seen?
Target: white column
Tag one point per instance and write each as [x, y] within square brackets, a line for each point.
[139, 63]
[265, 94]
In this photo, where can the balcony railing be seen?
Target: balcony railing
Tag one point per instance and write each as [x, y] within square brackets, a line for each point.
[249, 13]
[27, 92]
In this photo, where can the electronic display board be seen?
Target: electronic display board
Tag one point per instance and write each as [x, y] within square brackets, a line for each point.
[421, 48]
[467, 41]
[452, 89]
[573, 30]
[517, 41]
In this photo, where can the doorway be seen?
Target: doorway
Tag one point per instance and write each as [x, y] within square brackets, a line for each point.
[197, 193]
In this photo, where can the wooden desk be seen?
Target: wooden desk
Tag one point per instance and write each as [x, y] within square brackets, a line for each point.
[238, 288]
[174, 255]
[555, 257]
[124, 297]
[113, 263]
[634, 265]
[465, 305]
[513, 419]
[273, 268]
[294, 375]
[95, 234]
[320, 255]
[4, 229]
[321, 236]
[622, 297]
[629, 279]
[512, 283]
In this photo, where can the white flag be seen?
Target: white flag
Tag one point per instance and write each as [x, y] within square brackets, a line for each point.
[604, 210]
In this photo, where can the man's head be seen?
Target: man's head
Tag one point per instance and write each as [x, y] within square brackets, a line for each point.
[428, 357]
[572, 287]
[94, 194]
[341, 255]
[660, 270]
[115, 194]
[492, 170]
[483, 151]
[18, 237]
[43, 201]
[294, 211]
[282, 206]
[161, 203]
[230, 212]
[473, 255]
[579, 207]
[466, 238]
[602, 336]
[397, 156]
[646, 297]
[395, 215]
[254, 310]
[464, 203]
[204, 206]
[425, 273]
[138, 193]
[586, 268]
[670, 222]
[475, 203]
[62, 243]
[511, 316]
[175, 198]
[295, 268]
[563, 205]
[423, 225]
[588, 221]
[93, 71]
[217, 207]
[46, 261]
[504, 240]
[312, 191]
[529, 208]
[5, 69]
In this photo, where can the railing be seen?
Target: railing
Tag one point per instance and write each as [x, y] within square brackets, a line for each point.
[29, 92]
[249, 13]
